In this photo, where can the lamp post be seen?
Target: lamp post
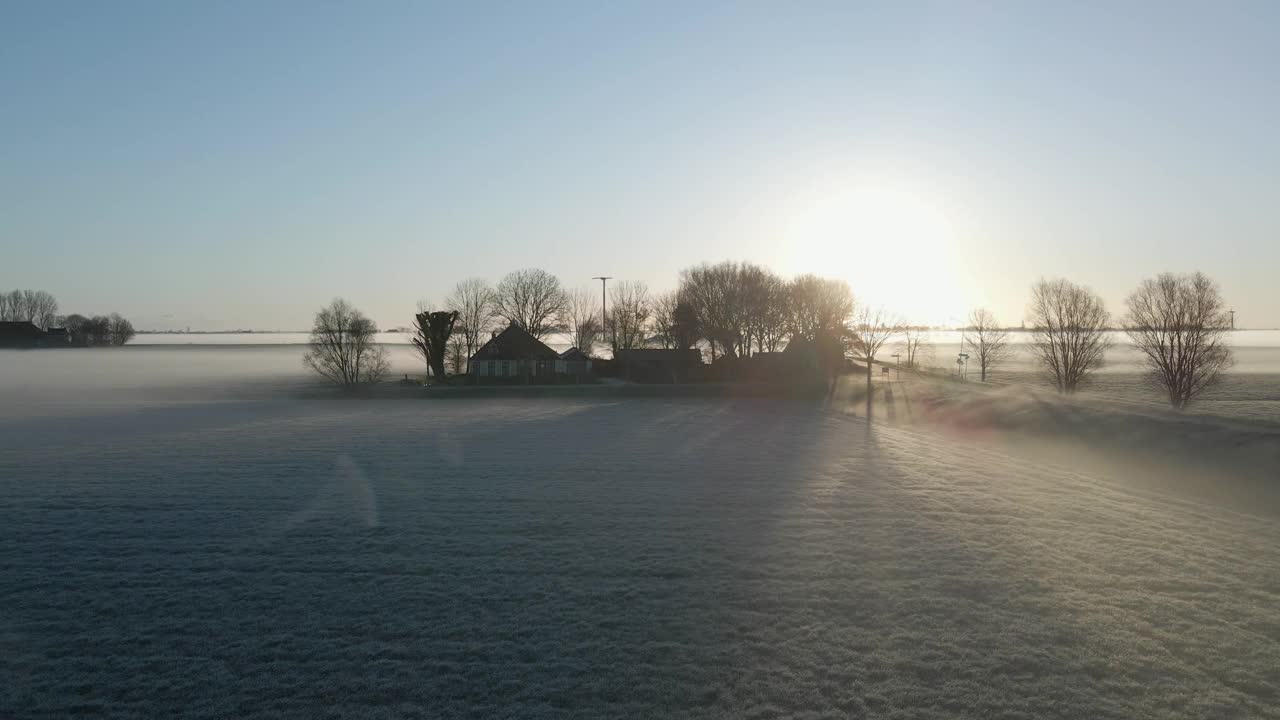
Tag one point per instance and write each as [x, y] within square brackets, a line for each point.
[897, 364]
[604, 317]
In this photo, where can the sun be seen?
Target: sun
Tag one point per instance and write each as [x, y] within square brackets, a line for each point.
[894, 246]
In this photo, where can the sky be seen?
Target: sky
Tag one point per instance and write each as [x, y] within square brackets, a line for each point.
[238, 164]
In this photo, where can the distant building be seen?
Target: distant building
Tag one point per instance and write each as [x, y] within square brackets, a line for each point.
[21, 335]
[658, 366]
[57, 337]
[514, 353]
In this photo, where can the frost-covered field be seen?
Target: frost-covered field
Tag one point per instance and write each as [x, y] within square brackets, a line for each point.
[203, 548]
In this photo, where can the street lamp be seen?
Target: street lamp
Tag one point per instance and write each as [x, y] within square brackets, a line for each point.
[897, 361]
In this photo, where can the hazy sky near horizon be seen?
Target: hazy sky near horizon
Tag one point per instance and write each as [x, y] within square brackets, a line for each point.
[237, 164]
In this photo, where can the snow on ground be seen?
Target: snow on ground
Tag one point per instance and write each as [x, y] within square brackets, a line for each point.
[275, 557]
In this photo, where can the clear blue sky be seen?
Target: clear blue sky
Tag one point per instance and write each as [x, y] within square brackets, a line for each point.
[238, 164]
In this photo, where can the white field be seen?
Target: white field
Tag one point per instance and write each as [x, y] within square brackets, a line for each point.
[198, 533]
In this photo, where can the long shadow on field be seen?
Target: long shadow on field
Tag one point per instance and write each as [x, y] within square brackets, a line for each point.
[521, 558]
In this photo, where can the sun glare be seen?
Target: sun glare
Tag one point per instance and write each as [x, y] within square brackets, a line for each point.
[893, 246]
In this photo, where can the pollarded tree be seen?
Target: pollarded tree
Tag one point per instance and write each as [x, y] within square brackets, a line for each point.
[1179, 323]
[343, 347]
[986, 341]
[532, 299]
[431, 333]
[1069, 331]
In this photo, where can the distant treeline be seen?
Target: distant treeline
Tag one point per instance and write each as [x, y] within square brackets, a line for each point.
[40, 308]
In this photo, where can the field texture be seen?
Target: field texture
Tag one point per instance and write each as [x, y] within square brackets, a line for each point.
[638, 558]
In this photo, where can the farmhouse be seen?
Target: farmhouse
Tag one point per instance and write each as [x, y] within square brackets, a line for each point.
[514, 353]
[21, 335]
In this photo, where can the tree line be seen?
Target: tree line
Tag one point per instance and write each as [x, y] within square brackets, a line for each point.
[733, 310]
[40, 308]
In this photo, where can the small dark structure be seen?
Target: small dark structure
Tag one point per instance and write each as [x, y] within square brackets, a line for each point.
[659, 366]
[514, 355]
[574, 363]
[22, 335]
[57, 337]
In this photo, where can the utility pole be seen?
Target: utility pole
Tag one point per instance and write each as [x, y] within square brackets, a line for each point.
[604, 316]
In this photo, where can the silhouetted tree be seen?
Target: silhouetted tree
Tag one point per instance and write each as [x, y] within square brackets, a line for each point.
[765, 311]
[714, 293]
[1069, 325]
[472, 299]
[343, 348]
[33, 306]
[628, 314]
[1179, 323]
[431, 332]
[684, 325]
[457, 353]
[120, 329]
[582, 319]
[986, 341]
[818, 308]
[97, 331]
[915, 347]
[75, 325]
[532, 299]
[870, 330]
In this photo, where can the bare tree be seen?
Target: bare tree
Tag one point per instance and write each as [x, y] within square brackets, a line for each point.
[714, 294]
[472, 299]
[532, 299]
[457, 353]
[76, 328]
[431, 332]
[120, 329]
[870, 330]
[33, 306]
[665, 324]
[582, 319]
[1180, 324]
[628, 314]
[342, 347]
[818, 308]
[97, 331]
[916, 350]
[1069, 325]
[986, 341]
[765, 309]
